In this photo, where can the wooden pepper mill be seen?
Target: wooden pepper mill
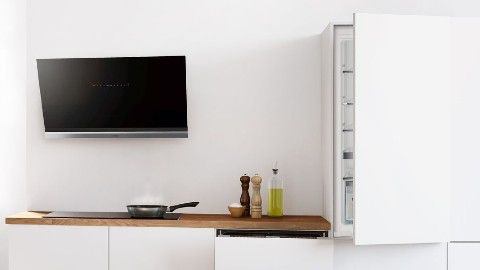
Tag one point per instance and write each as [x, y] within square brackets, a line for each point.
[256, 211]
[245, 198]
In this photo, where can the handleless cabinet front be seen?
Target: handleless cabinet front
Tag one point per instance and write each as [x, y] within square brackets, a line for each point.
[463, 256]
[261, 253]
[58, 247]
[148, 248]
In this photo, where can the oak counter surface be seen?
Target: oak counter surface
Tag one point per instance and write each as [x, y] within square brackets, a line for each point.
[218, 221]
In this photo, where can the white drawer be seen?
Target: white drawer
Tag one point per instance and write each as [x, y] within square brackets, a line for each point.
[239, 253]
[463, 256]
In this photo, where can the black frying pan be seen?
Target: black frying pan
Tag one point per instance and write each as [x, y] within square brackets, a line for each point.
[155, 211]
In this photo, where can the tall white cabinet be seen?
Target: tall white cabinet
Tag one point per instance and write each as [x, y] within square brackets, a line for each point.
[399, 135]
[465, 185]
[464, 250]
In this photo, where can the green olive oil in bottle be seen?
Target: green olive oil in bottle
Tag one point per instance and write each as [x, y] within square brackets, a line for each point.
[275, 194]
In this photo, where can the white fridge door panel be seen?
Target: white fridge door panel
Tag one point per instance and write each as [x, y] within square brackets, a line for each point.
[466, 131]
[402, 125]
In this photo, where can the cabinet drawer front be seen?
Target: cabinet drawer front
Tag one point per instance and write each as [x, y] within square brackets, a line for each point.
[161, 248]
[239, 253]
[58, 247]
[463, 256]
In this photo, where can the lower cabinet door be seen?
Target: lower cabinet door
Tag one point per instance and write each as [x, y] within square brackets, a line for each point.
[240, 253]
[146, 248]
[463, 256]
[57, 247]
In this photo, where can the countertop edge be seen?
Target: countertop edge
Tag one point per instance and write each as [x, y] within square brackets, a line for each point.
[216, 221]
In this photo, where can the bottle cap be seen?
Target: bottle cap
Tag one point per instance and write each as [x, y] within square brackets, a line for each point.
[275, 167]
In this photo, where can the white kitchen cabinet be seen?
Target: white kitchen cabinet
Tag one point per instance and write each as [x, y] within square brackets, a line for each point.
[148, 248]
[465, 185]
[240, 253]
[57, 247]
[348, 256]
[463, 256]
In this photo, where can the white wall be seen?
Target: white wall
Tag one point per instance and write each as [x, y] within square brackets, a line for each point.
[253, 78]
[253, 92]
[12, 114]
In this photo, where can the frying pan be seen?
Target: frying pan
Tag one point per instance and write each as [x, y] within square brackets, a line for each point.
[155, 211]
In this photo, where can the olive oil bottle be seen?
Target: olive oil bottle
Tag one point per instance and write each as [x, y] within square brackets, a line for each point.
[275, 194]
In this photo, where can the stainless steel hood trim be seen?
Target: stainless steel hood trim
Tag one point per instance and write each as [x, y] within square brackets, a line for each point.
[122, 134]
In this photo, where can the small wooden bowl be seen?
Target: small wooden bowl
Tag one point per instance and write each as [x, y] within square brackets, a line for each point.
[236, 212]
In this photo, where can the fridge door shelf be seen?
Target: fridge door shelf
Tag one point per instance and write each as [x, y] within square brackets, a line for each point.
[347, 155]
[348, 202]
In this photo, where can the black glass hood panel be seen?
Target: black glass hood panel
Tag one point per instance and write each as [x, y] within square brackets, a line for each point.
[114, 95]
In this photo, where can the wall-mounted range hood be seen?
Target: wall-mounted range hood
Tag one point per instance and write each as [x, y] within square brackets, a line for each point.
[131, 97]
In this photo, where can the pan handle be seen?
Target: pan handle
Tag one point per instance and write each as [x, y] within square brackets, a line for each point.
[175, 207]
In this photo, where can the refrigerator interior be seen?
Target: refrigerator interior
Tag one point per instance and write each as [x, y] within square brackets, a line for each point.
[344, 131]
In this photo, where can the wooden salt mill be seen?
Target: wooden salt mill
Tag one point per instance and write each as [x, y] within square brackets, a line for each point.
[256, 211]
[245, 198]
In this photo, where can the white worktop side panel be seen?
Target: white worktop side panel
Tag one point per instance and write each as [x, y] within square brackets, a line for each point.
[326, 136]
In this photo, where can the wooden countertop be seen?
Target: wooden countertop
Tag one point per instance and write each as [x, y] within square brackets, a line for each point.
[217, 221]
